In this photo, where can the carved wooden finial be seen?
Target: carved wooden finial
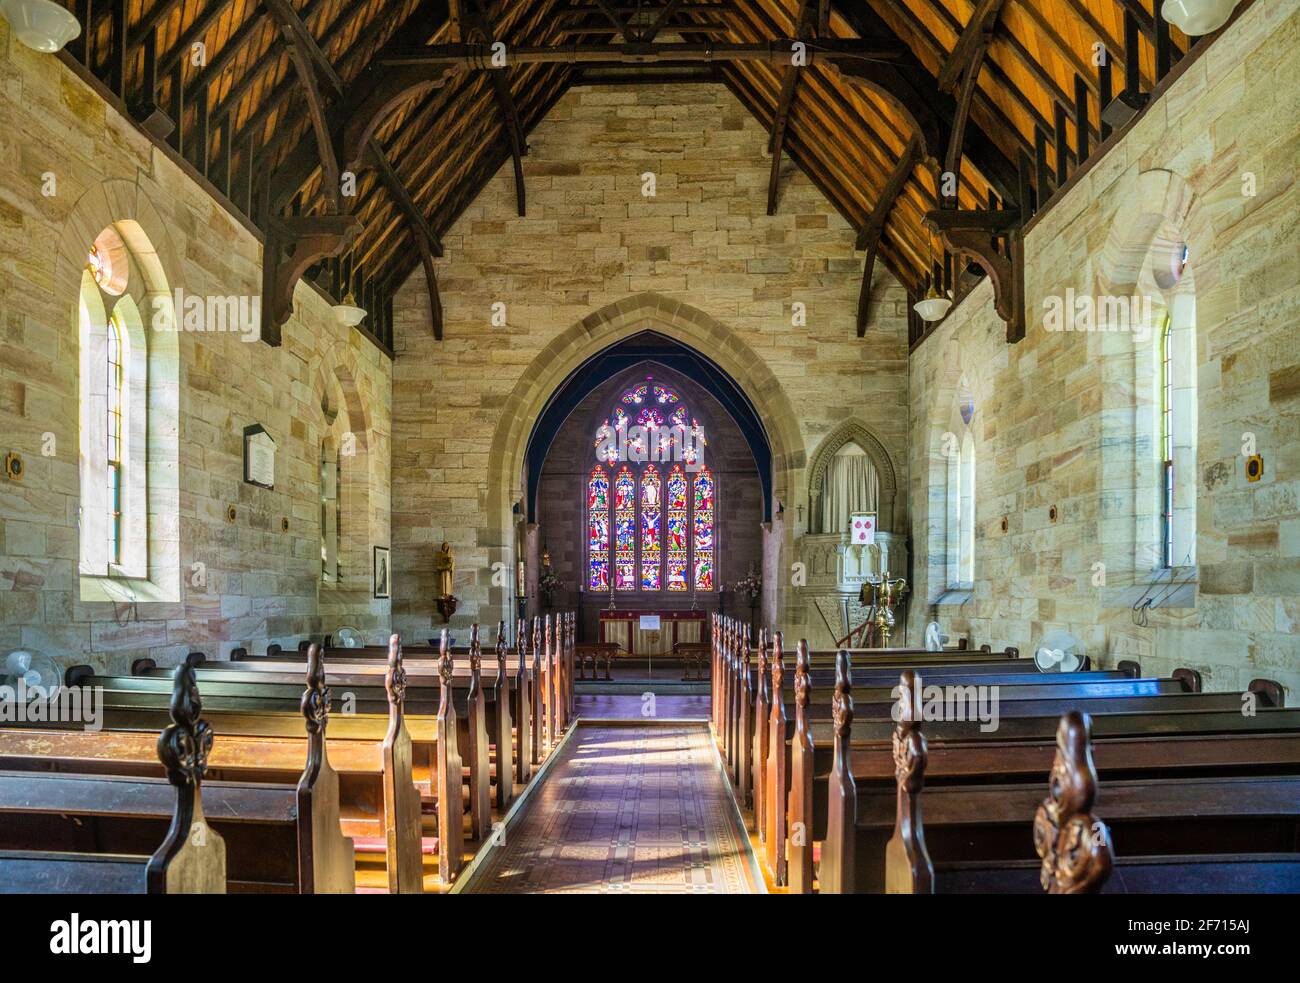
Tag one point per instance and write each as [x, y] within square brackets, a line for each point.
[521, 636]
[537, 635]
[1074, 846]
[908, 869]
[502, 644]
[778, 663]
[550, 641]
[802, 680]
[185, 743]
[395, 678]
[315, 703]
[842, 701]
[475, 651]
[909, 742]
[444, 662]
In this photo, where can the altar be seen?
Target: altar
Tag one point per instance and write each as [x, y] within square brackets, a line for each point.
[648, 634]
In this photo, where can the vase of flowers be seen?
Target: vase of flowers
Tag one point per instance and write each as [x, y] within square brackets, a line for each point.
[549, 583]
[750, 587]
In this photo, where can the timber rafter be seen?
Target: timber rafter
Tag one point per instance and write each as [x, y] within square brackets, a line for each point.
[275, 103]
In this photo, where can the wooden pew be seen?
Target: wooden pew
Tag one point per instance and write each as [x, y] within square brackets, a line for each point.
[192, 857]
[557, 667]
[262, 682]
[370, 753]
[1019, 696]
[478, 709]
[279, 838]
[862, 784]
[1215, 834]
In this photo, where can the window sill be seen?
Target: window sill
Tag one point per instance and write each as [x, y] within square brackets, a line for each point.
[956, 596]
[124, 590]
[1174, 587]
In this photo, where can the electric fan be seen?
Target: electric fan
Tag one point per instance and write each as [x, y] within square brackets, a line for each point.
[1057, 652]
[934, 639]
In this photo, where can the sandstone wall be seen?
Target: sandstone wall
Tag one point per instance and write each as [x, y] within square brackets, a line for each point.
[594, 261]
[1064, 419]
[259, 582]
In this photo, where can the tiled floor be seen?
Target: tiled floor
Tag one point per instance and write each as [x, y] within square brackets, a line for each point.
[625, 809]
[642, 707]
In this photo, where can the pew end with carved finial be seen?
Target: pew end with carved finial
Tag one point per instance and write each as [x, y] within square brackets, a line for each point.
[1074, 846]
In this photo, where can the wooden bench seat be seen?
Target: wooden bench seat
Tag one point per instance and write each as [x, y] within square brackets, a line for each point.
[1175, 833]
[41, 857]
[372, 755]
[862, 783]
[279, 837]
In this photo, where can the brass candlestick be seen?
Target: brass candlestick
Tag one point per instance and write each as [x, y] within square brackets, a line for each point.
[885, 595]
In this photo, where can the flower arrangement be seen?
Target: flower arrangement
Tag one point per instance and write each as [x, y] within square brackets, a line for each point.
[751, 584]
[549, 582]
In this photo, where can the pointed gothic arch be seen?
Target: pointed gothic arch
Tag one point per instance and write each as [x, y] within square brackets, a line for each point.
[855, 432]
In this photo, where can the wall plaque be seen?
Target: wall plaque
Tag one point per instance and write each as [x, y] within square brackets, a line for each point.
[259, 457]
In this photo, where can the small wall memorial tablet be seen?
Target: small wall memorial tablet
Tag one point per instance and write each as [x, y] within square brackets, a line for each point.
[259, 457]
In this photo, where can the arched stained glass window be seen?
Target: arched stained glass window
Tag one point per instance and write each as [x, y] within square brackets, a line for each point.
[651, 503]
[651, 561]
[598, 529]
[677, 532]
[702, 508]
[625, 530]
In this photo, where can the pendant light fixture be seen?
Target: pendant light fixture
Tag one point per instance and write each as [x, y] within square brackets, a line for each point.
[42, 25]
[348, 313]
[1197, 17]
[935, 306]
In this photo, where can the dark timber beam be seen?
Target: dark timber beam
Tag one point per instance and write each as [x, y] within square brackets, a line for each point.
[971, 45]
[873, 231]
[776, 142]
[975, 234]
[665, 14]
[293, 246]
[615, 18]
[304, 53]
[426, 241]
[361, 108]
[934, 104]
[776, 52]
[969, 82]
[474, 12]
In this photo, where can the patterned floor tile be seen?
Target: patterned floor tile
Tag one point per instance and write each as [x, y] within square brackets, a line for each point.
[625, 810]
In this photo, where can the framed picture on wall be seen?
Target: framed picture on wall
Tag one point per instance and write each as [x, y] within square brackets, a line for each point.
[383, 573]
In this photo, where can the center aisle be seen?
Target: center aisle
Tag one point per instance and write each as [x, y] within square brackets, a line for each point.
[626, 808]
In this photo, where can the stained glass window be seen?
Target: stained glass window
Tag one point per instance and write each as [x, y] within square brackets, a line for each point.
[598, 529]
[651, 570]
[115, 361]
[677, 535]
[651, 527]
[702, 516]
[625, 530]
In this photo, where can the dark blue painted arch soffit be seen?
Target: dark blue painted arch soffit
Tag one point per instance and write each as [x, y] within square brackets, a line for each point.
[619, 358]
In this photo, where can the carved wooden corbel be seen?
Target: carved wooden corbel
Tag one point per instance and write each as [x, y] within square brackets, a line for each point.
[293, 245]
[974, 234]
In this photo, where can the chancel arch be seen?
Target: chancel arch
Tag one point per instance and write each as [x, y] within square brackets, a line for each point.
[695, 332]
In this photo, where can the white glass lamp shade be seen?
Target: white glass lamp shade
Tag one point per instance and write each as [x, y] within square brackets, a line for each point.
[348, 313]
[933, 308]
[40, 24]
[1197, 17]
